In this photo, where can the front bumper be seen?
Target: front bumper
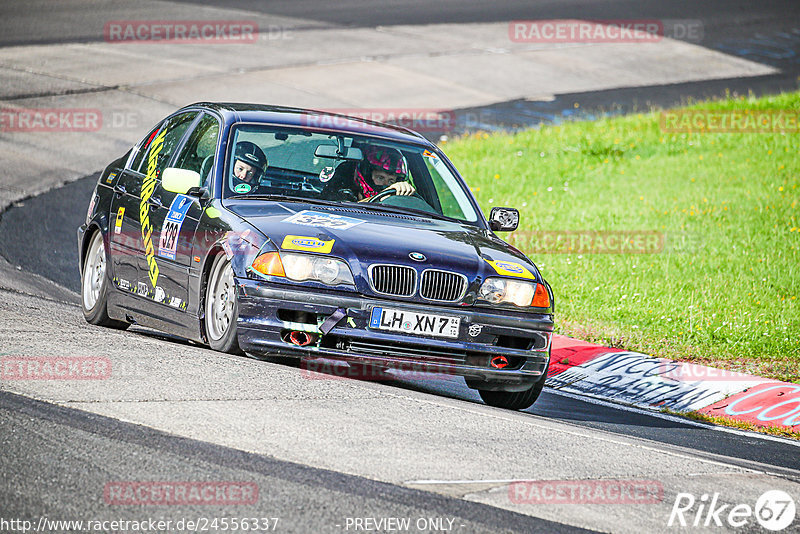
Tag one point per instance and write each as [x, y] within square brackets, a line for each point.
[267, 313]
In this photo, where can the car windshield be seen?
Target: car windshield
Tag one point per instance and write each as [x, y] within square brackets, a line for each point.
[292, 163]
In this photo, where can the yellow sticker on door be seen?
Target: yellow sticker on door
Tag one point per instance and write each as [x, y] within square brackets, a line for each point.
[118, 222]
[307, 244]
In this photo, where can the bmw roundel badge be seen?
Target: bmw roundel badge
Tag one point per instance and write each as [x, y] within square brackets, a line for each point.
[417, 256]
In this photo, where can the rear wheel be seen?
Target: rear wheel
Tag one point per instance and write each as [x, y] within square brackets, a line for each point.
[221, 308]
[94, 286]
[515, 400]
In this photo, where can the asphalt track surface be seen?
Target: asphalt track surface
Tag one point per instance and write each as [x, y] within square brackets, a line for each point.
[35, 434]
[765, 32]
[39, 236]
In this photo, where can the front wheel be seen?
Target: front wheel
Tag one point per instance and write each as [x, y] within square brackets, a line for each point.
[515, 400]
[94, 286]
[221, 307]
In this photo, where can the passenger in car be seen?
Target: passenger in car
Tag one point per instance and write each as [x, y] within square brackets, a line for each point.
[249, 166]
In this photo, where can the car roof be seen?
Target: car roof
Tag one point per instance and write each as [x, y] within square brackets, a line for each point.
[324, 120]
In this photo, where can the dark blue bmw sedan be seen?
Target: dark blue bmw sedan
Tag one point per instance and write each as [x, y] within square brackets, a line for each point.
[282, 231]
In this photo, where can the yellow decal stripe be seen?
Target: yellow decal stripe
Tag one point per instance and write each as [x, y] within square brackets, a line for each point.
[148, 185]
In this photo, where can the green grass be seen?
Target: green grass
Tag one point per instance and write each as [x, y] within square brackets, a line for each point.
[724, 291]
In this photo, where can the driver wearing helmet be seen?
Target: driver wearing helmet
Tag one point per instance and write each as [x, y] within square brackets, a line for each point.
[381, 169]
[249, 164]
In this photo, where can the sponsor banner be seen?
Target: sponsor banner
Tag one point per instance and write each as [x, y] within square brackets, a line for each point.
[181, 31]
[730, 121]
[770, 403]
[567, 352]
[645, 381]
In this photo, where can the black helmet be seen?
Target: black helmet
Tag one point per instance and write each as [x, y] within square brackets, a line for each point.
[249, 153]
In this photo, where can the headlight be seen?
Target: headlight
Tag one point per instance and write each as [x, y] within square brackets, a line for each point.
[303, 267]
[506, 291]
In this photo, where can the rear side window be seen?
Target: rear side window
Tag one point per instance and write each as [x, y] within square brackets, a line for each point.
[161, 144]
[141, 149]
[198, 153]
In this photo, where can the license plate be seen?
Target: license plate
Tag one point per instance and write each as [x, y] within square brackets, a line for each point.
[424, 324]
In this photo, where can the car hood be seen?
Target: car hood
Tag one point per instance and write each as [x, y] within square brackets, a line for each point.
[364, 237]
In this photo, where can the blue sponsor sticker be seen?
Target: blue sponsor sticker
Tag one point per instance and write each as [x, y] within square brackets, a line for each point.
[375, 318]
[511, 267]
[310, 243]
[168, 242]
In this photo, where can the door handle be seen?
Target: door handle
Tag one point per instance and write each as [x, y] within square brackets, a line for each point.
[155, 201]
[120, 190]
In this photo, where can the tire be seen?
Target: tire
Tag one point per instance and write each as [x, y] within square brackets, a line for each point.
[221, 307]
[94, 286]
[515, 400]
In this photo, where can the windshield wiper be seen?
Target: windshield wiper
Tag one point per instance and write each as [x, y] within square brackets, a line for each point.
[406, 211]
[287, 198]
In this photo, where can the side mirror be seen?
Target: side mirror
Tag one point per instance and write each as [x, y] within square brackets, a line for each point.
[504, 219]
[333, 152]
[180, 180]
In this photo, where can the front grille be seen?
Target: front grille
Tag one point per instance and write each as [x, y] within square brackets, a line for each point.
[442, 285]
[395, 280]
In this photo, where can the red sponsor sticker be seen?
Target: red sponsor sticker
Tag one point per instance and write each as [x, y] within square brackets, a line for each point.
[180, 493]
[586, 492]
[181, 31]
[54, 368]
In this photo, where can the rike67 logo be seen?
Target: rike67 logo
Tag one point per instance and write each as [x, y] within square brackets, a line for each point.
[774, 510]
